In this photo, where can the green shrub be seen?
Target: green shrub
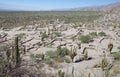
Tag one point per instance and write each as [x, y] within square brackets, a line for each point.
[49, 62]
[116, 55]
[93, 34]
[52, 54]
[57, 33]
[102, 34]
[36, 56]
[85, 39]
[62, 51]
[59, 59]
[118, 48]
[67, 60]
[44, 35]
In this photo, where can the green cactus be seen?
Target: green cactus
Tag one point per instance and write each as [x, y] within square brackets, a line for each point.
[72, 53]
[42, 56]
[60, 73]
[24, 49]
[86, 55]
[16, 52]
[104, 63]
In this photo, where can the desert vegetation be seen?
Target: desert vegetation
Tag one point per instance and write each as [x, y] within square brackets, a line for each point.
[59, 44]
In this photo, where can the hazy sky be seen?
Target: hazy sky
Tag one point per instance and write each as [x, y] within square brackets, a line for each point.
[50, 4]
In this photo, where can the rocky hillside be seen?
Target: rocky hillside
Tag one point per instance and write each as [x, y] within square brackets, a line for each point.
[97, 8]
[111, 17]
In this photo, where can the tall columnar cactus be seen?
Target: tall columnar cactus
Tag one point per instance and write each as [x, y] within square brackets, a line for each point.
[72, 54]
[60, 73]
[24, 49]
[16, 52]
[89, 75]
[110, 47]
[86, 55]
[72, 71]
[79, 45]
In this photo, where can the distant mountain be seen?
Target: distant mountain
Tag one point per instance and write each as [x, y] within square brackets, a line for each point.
[1, 9]
[111, 17]
[97, 8]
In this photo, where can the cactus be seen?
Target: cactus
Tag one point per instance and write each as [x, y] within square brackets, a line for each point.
[24, 49]
[86, 55]
[79, 45]
[73, 54]
[110, 47]
[42, 56]
[104, 63]
[60, 73]
[89, 75]
[16, 52]
[72, 71]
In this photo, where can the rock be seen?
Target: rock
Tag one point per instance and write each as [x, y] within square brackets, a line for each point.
[78, 58]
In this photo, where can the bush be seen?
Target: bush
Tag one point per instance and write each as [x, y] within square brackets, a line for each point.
[67, 60]
[57, 33]
[49, 62]
[118, 48]
[102, 33]
[52, 54]
[85, 39]
[44, 35]
[116, 55]
[93, 34]
[37, 56]
[62, 51]
[59, 59]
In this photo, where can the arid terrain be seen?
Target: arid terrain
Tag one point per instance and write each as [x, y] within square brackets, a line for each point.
[60, 43]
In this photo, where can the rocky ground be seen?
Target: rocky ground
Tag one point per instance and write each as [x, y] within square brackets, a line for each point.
[88, 57]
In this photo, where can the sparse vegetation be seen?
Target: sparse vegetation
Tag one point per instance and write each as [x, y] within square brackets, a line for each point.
[104, 63]
[85, 39]
[102, 34]
[65, 38]
[116, 55]
[93, 34]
